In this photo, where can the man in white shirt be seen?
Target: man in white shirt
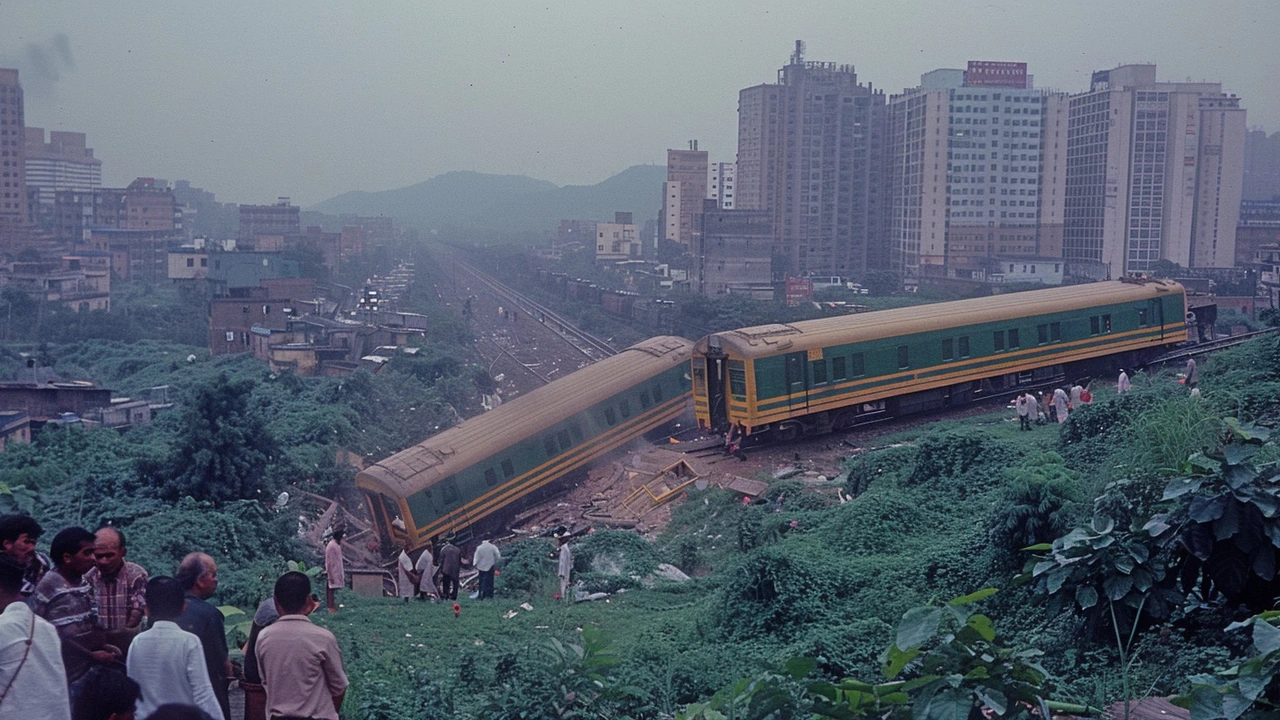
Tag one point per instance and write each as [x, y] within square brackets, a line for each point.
[167, 661]
[485, 559]
[33, 680]
[565, 567]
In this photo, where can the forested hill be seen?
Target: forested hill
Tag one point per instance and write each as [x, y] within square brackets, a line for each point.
[507, 203]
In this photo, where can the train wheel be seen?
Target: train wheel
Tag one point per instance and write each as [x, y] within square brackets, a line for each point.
[788, 432]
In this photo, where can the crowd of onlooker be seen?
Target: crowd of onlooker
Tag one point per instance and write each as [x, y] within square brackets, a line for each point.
[87, 635]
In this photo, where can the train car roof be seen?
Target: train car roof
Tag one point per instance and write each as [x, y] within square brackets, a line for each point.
[477, 438]
[766, 340]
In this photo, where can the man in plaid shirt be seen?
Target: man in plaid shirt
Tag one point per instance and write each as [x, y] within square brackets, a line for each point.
[120, 588]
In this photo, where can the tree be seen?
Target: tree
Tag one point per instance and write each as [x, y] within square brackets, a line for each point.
[223, 446]
[883, 282]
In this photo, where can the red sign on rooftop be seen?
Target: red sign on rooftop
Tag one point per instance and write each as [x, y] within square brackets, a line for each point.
[989, 73]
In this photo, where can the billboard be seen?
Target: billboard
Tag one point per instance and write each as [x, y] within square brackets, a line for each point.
[989, 73]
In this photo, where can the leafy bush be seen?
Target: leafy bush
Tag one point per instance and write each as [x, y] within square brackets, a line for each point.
[956, 459]
[1035, 507]
[775, 592]
[615, 552]
[526, 567]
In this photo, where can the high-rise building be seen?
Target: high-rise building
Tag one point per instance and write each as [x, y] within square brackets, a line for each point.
[1261, 165]
[683, 193]
[1154, 172]
[811, 151]
[63, 163]
[721, 177]
[13, 190]
[977, 165]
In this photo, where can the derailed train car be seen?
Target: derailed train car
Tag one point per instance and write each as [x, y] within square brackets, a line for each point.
[489, 465]
[821, 375]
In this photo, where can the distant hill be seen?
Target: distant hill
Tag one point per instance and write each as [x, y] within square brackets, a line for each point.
[508, 203]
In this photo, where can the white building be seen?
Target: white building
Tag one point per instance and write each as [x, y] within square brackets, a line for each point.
[720, 181]
[618, 240]
[977, 162]
[1154, 172]
[63, 163]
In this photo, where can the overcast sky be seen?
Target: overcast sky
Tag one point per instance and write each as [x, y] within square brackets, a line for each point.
[254, 99]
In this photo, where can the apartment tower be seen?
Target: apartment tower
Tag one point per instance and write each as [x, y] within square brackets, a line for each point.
[1154, 172]
[13, 190]
[811, 151]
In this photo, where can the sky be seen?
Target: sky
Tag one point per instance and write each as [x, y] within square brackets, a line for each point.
[255, 100]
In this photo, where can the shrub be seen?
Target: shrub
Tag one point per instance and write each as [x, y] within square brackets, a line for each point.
[616, 552]
[1036, 506]
[774, 592]
[526, 567]
[953, 456]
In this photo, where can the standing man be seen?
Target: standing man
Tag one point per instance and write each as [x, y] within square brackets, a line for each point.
[120, 588]
[1192, 376]
[450, 569]
[565, 567]
[485, 559]
[198, 576]
[300, 663]
[33, 680]
[406, 581]
[18, 535]
[334, 568]
[1024, 423]
[1077, 396]
[1122, 384]
[66, 601]
[1033, 409]
[167, 661]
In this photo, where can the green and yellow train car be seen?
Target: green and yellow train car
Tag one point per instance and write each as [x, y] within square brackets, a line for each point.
[822, 375]
[485, 466]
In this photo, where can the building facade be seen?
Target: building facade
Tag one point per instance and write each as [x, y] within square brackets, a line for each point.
[281, 219]
[683, 193]
[618, 240]
[977, 164]
[721, 177]
[811, 149]
[13, 190]
[1154, 172]
[62, 164]
[1261, 165]
[734, 252]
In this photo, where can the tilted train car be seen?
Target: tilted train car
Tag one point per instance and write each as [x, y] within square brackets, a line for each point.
[821, 375]
[488, 464]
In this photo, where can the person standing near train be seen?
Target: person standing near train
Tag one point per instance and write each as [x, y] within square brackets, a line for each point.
[450, 569]
[1023, 409]
[334, 569]
[1192, 376]
[1060, 404]
[1122, 384]
[565, 567]
[486, 559]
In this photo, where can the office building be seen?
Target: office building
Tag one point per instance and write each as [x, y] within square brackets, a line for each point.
[1154, 172]
[734, 253]
[683, 193]
[977, 167]
[811, 151]
[279, 220]
[63, 163]
[13, 190]
[1261, 165]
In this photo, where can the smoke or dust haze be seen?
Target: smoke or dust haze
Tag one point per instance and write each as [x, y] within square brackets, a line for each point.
[312, 98]
[42, 64]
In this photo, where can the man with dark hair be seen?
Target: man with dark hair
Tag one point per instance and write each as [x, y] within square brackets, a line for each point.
[167, 661]
[66, 601]
[106, 695]
[300, 663]
[33, 680]
[450, 569]
[333, 568]
[486, 559]
[119, 587]
[18, 535]
[198, 576]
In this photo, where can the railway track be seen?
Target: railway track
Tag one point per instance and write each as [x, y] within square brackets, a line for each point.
[1210, 346]
[584, 342]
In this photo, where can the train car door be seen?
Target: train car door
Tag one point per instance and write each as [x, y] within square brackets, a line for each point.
[1155, 310]
[797, 366]
[716, 402]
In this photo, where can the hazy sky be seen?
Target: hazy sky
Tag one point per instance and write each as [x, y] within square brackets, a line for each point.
[254, 99]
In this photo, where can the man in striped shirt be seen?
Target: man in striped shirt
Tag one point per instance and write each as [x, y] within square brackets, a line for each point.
[66, 601]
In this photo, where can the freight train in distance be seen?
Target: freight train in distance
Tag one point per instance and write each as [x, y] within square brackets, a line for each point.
[781, 380]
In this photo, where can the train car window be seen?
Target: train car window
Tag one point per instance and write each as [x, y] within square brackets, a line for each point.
[997, 339]
[508, 470]
[1142, 317]
[645, 402]
[1055, 332]
[549, 444]
[819, 371]
[699, 382]
[563, 437]
[858, 369]
[490, 477]
[1042, 334]
[948, 349]
[1093, 325]
[610, 417]
[963, 343]
[1014, 342]
[737, 380]
[577, 434]
[904, 357]
[657, 393]
[1106, 323]
[448, 492]
[625, 408]
[838, 371]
